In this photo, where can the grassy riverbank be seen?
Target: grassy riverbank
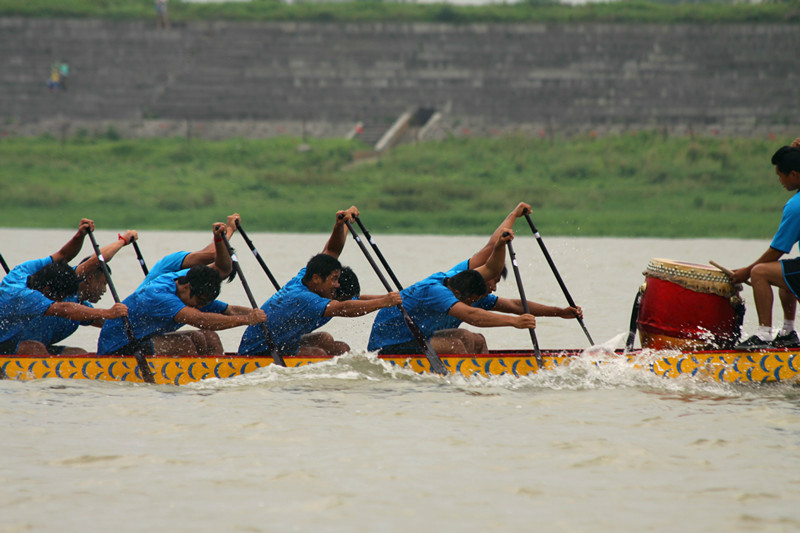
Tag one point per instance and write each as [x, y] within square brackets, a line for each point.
[530, 11]
[628, 185]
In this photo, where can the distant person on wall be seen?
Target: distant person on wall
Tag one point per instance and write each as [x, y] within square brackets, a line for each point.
[53, 82]
[768, 271]
[63, 74]
[162, 18]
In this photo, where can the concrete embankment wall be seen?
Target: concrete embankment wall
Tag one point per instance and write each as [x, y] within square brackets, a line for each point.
[261, 79]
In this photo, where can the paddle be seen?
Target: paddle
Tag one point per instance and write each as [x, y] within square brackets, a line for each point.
[536, 352]
[273, 350]
[5, 265]
[433, 358]
[258, 257]
[144, 366]
[550, 262]
[139, 257]
[637, 303]
[379, 254]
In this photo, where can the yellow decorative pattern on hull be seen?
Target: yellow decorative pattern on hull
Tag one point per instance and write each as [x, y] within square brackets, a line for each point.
[721, 366]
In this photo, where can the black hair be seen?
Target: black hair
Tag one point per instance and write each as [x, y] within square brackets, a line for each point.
[58, 278]
[504, 273]
[100, 268]
[787, 159]
[203, 282]
[322, 265]
[349, 287]
[468, 283]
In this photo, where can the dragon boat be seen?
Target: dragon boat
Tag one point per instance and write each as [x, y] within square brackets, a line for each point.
[779, 365]
[688, 317]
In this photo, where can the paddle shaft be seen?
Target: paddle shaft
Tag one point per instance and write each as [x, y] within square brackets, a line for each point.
[273, 350]
[258, 257]
[379, 254]
[144, 366]
[536, 351]
[433, 358]
[637, 303]
[550, 262]
[5, 265]
[140, 258]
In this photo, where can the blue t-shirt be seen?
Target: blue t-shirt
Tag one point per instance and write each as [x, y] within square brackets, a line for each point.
[53, 329]
[166, 265]
[427, 302]
[19, 304]
[291, 312]
[151, 311]
[789, 230]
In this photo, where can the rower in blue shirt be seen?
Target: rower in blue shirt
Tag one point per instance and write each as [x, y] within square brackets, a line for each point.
[158, 308]
[40, 288]
[50, 330]
[441, 302]
[309, 300]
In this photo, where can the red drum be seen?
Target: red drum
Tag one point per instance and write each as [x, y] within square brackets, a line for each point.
[688, 306]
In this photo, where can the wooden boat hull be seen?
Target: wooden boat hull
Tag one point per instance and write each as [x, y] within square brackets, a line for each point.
[721, 366]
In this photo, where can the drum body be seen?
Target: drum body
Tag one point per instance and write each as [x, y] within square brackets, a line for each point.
[688, 306]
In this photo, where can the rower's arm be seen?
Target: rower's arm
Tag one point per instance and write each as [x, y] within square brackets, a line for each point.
[73, 246]
[233, 310]
[506, 305]
[484, 253]
[494, 265]
[84, 313]
[338, 237]
[222, 258]
[488, 319]
[740, 275]
[108, 251]
[218, 321]
[352, 308]
[206, 255]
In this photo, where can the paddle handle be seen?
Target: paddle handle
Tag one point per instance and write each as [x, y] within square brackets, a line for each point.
[433, 358]
[258, 256]
[141, 361]
[536, 351]
[560, 281]
[273, 350]
[140, 258]
[5, 265]
[379, 254]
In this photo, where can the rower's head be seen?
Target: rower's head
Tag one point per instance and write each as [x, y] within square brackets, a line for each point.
[349, 287]
[491, 285]
[56, 281]
[468, 286]
[92, 284]
[787, 167]
[322, 275]
[199, 286]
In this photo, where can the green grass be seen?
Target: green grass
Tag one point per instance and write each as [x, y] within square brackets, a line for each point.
[628, 185]
[633, 11]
